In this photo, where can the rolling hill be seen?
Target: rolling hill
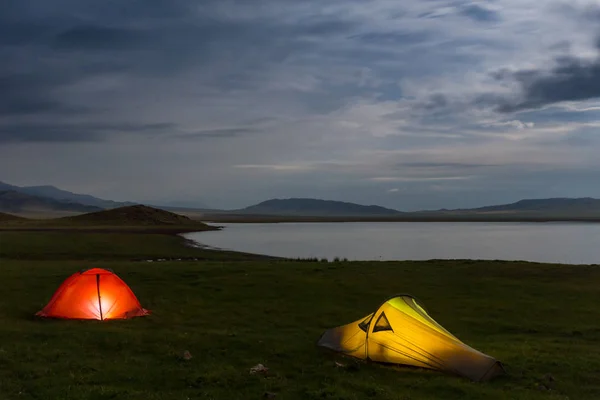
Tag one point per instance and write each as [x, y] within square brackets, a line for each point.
[307, 210]
[137, 215]
[315, 207]
[17, 202]
[552, 205]
[4, 217]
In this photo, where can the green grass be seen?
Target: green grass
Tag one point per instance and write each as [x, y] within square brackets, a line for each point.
[66, 245]
[538, 319]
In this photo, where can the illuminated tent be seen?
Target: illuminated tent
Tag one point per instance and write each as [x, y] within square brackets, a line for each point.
[401, 332]
[93, 294]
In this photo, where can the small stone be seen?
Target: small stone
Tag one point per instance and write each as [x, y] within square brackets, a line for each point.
[186, 355]
[259, 368]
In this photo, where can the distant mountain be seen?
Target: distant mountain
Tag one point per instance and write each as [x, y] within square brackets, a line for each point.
[6, 187]
[64, 195]
[551, 205]
[315, 207]
[303, 209]
[12, 201]
[181, 205]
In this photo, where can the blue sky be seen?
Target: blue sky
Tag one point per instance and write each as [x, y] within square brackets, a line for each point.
[412, 105]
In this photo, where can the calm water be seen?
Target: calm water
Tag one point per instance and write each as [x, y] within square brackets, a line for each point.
[571, 243]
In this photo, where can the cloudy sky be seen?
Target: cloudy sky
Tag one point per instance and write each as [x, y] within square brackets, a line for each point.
[408, 104]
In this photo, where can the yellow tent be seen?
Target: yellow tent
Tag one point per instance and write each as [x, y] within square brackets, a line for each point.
[401, 332]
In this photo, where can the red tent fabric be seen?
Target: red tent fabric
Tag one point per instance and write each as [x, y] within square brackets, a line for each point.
[95, 293]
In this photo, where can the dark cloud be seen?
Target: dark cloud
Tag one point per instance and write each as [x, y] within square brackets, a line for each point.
[563, 46]
[82, 132]
[395, 38]
[494, 101]
[52, 55]
[38, 91]
[480, 14]
[100, 132]
[571, 79]
[26, 94]
[204, 34]
[440, 165]
[23, 33]
[13, 84]
[435, 102]
[430, 15]
[438, 108]
[143, 9]
[217, 133]
[473, 11]
[589, 12]
[62, 11]
[27, 106]
[555, 114]
[149, 38]
[23, 133]
[322, 27]
[99, 38]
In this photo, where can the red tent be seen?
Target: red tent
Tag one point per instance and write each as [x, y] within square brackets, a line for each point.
[93, 294]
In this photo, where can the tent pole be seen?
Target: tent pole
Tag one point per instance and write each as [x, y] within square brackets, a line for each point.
[99, 301]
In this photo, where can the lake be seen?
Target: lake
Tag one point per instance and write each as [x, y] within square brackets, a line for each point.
[569, 243]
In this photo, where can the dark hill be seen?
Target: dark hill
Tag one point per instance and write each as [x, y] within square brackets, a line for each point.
[315, 207]
[4, 217]
[16, 202]
[138, 215]
[554, 205]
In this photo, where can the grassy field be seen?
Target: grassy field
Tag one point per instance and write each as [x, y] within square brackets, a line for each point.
[233, 311]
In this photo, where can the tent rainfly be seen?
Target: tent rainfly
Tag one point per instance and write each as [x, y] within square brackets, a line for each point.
[400, 331]
[95, 293]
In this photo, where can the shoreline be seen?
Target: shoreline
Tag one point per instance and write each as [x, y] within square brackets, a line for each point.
[300, 219]
[191, 243]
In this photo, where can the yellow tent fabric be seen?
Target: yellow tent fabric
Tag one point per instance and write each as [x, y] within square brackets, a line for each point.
[402, 332]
